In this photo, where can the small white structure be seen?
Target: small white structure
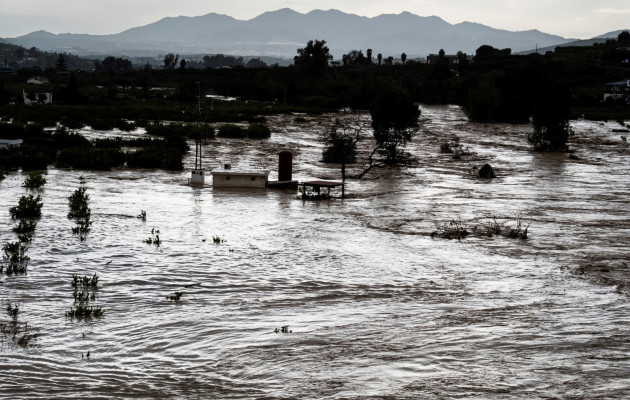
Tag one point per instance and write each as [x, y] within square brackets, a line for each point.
[7, 143]
[197, 177]
[618, 90]
[227, 177]
[37, 80]
[35, 97]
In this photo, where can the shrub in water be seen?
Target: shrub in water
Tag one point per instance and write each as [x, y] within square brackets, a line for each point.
[28, 207]
[231, 131]
[34, 180]
[15, 255]
[258, 131]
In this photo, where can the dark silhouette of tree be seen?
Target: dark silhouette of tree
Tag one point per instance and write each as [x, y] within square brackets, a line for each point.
[486, 52]
[112, 64]
[354, 57]
[403, 58]
[550, 119]
[182, 64]
[72, 91]
[19, 53]
[389, 60]
[312, 60]
[4, 97]
[441, 53]
[220, 61]
[624, 37]
[462, 61]
[380, 58]
[394, 122]
[170, 61]
[61, 65]
[256, 63]
[369, 56]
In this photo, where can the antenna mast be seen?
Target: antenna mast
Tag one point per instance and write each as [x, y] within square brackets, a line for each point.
[197, 175]
[198, 128]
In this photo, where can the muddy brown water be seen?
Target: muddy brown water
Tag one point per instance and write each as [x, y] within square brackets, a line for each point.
[375, 306]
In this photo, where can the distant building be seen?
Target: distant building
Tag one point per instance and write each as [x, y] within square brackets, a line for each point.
[618, 90]
[7, 143]
[37, 80]
[36, 97]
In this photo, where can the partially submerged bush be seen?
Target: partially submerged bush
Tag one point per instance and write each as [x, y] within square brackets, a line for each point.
[84, 281]
[101, 159]
[231, 131]
[15, 257]
[82, 310]
[452, 230]
[258, 131]
[34, 180]
[486, 172]
[175, 297]
[167, 130]
[28, 207]
[78, 202]
[21, 333]
[456, 230]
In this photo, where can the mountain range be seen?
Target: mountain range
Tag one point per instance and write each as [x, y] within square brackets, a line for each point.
[280, 33]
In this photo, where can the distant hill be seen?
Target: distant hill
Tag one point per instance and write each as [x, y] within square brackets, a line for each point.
[280, 33]
[578, 43]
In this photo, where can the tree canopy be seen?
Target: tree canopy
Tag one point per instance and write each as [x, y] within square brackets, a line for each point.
[312, 60]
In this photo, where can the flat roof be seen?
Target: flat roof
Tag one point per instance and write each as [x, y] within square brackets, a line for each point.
[238, 171]
[322, 183]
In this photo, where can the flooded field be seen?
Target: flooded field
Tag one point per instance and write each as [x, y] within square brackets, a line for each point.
[375, 306]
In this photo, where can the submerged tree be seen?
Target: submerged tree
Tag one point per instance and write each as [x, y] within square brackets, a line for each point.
[550, 120]
[340, 141]
[394, 122]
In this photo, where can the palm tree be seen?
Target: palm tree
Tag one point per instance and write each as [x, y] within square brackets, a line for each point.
[380, 58]
[403, 58]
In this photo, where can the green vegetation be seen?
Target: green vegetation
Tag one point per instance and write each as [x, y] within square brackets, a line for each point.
[29, 207]
[80, 212]
[258, 130]
[175, 297]
[231, 131]
[84, 281]
[21, 333]
[34, 180]
[494, 85]
[15, 257]
[154, 239]
[81, 309]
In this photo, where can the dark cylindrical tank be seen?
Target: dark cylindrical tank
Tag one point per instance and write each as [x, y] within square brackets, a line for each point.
[285, 166]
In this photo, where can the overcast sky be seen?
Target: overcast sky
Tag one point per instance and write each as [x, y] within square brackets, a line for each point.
[568, 18]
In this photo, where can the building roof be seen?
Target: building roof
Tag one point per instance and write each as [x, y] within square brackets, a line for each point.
[620, 83]
[321, 183]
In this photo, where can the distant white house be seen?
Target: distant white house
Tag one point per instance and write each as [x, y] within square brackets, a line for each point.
[32, 97]
[37, 80]
[618, 90]
[6, 143]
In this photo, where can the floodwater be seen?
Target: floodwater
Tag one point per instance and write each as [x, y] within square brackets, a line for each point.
[375, 306]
